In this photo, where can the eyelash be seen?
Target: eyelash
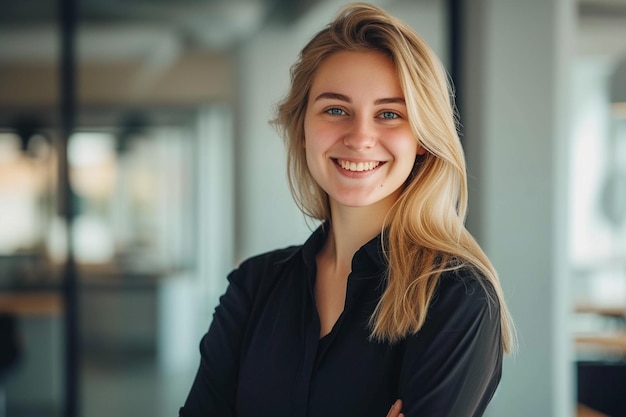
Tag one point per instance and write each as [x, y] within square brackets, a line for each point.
[393, 113]
[333, 111]
[336, 111]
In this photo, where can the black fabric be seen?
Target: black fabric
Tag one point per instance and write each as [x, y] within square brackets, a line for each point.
[601, 386]
[9, 343]
[262, 355]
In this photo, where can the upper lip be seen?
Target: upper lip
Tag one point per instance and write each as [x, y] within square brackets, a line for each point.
[355, 160]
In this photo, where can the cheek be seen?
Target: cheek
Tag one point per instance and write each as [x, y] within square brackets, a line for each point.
[317, 137]
[315, 155]
[406, 150]
[311, 152]
[313, 164]
[406, 145]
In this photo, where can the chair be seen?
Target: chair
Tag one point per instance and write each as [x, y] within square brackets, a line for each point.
[601, 386]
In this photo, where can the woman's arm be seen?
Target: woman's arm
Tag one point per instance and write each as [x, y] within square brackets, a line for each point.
[214, 388]
[452, 366]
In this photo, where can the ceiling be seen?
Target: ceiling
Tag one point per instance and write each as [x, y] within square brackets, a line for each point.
[137, 46]
[122, 29]
[159, 30]
[140, 53]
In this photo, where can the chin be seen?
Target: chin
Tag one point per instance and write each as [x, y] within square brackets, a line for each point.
[360, 202]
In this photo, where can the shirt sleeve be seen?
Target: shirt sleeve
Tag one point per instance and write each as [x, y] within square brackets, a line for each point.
[214, 388]
[452, 366]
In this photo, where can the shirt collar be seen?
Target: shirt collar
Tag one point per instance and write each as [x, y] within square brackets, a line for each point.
[368, 262]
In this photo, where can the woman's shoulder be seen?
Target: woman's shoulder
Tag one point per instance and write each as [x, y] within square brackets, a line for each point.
[464, 302]
[273, 256]
[287, 255]
[268, 262]
[467, 288]
[257, 274]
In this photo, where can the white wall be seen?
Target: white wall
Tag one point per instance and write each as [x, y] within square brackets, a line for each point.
[597, 247]
[517, 116]
[266, 216]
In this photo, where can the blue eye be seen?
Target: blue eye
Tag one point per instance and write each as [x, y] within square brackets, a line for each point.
[335, 111]
[389, 115]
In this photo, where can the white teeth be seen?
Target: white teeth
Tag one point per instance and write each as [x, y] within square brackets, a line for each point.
[358, 167]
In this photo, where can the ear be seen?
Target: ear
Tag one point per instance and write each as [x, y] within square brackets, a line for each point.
[421, 150]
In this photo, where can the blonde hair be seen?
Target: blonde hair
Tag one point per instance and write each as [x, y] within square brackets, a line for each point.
[424, 231]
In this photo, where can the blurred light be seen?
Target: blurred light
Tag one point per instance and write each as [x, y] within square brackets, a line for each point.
[609, 288]
[39, 146]
[93, 239]
[20, 187]
[9, 147]
[89, 148]
[93, 164]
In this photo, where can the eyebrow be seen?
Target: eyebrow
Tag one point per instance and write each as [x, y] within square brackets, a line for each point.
[390, 100]
[343, 97]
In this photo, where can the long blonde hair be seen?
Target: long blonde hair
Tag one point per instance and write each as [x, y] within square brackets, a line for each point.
[425, 233]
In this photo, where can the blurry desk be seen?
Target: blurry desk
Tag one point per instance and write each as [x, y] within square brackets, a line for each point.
[615, 314]
[614, 342]
[31, 303]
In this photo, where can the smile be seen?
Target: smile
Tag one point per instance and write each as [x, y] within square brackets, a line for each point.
[357, 166]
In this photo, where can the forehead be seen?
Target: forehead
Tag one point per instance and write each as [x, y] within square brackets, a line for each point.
[365, 71]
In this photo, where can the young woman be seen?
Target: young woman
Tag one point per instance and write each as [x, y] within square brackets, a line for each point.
[390, 308]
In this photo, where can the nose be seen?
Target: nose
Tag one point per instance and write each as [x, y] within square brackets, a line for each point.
[361, 135]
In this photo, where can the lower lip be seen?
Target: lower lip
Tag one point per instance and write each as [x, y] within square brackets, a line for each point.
[356, 174]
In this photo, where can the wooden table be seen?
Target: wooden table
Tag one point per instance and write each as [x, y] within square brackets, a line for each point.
[615, 311]
[584, 411]
[31, 303]
[614, 342]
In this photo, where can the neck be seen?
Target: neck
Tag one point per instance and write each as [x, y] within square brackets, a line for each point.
[351, 228]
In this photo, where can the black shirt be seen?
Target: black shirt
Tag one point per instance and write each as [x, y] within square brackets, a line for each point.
[262, 355]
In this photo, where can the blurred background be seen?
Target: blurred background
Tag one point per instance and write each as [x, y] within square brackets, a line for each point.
[122, 212]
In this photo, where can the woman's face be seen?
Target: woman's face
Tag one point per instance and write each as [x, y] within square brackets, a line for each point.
[359, 146]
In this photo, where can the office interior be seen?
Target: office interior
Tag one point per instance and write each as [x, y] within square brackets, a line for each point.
[175, 176]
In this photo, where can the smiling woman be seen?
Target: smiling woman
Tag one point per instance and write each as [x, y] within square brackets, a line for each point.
[358, 141]
[390, 307]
